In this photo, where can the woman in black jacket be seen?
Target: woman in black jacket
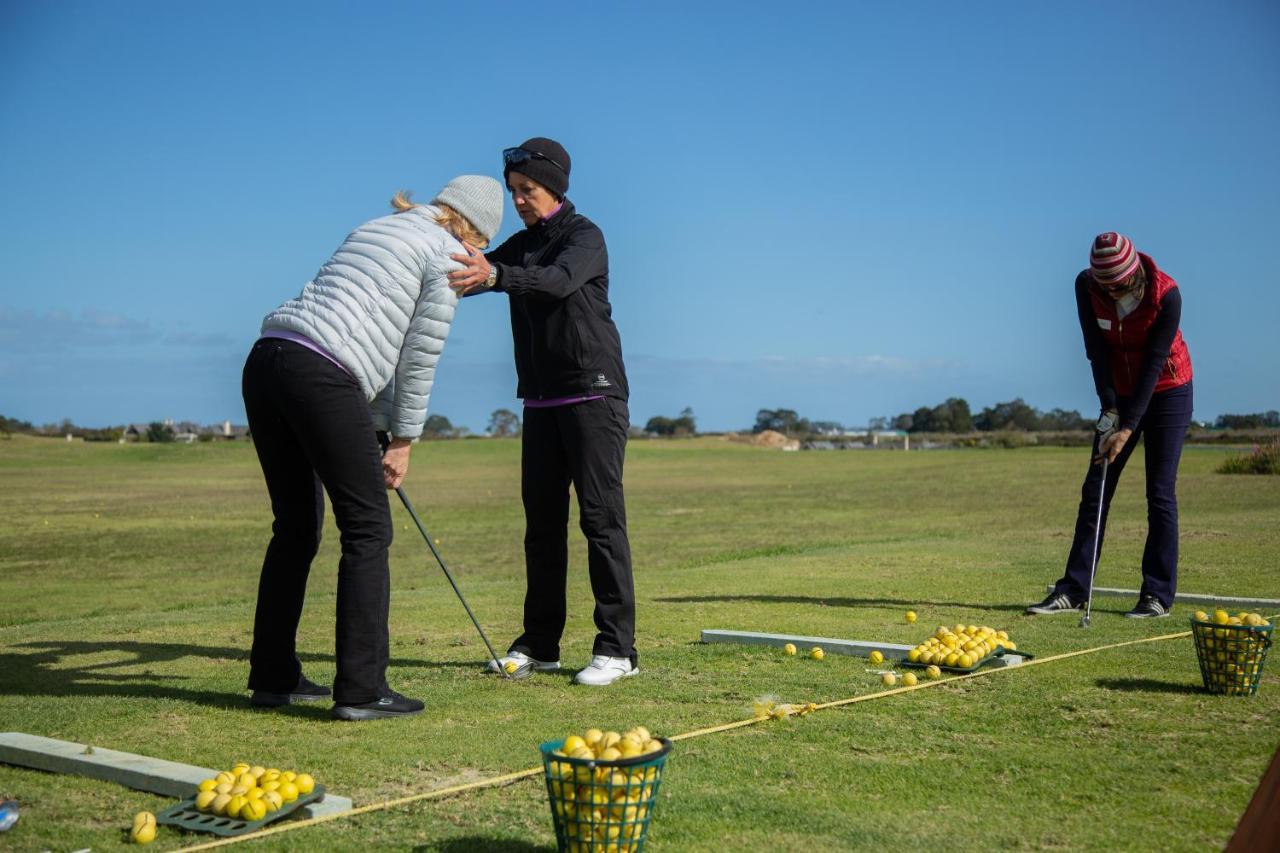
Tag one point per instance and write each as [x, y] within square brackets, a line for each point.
[574, 386]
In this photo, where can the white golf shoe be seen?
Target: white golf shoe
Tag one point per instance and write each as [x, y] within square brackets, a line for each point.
[525, 665]
[605, 670]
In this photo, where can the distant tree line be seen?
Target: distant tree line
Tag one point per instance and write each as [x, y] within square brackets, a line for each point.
[1258, 420]
[683, 425]
[954, 415]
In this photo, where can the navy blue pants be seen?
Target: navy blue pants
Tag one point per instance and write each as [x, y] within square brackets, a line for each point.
[1163, 429]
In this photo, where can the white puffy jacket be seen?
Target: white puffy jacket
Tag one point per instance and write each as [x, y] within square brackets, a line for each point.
[382, 306]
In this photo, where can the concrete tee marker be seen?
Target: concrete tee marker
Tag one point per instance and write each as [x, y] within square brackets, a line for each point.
[140, 772]
[853, 648]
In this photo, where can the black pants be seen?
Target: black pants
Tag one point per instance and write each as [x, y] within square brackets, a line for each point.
[313, 431]
[581, 444]
[1163, 429]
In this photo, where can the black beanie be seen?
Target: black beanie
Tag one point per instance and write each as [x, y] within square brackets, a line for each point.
[553, 175]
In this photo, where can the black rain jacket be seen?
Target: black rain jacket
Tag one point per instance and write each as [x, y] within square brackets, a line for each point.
[556, 274]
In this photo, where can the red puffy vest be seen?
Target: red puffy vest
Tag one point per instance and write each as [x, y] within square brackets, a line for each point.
[1127, 338]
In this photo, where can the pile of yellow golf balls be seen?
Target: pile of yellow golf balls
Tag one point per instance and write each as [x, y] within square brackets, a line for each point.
[961, 646]
[605, 805]
[251, 792]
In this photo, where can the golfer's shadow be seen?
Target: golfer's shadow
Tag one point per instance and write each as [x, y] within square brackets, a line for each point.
[46, 671]
[475, 844]
[830, 601]
[1148, 685]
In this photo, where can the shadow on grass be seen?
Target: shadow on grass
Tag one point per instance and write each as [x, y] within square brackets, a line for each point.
[1148, 685]
[828, 601]
[475, 844]
[45, 671]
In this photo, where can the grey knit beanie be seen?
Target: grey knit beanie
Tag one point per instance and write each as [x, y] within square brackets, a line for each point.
[477, 197]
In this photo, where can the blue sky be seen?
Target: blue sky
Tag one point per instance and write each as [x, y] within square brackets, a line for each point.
[847, 209]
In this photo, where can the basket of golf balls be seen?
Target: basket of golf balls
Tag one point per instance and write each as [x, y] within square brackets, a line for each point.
[963, 648]
[602, 787]
[1231, 650]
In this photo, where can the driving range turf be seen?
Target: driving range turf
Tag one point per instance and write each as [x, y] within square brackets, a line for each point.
[127, 584]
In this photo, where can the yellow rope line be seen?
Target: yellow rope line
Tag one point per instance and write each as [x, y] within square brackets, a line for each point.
[509, 778]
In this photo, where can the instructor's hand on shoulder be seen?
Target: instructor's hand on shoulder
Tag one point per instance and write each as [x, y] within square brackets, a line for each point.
[395, 462]
[474, 272]
[1112, 445]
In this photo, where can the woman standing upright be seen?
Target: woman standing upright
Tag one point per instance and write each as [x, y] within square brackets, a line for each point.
[353, 354]
[1129, 313]
[571, 378]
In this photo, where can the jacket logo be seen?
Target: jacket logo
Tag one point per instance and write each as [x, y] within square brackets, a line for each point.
[602, 381]
[1104, 324]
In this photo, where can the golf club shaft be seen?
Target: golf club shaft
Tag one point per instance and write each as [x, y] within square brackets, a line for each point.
[427, 536]
[1097, 534]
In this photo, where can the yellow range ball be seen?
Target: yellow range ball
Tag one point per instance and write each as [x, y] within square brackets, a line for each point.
[510, 666]
[817, 653]
[876, 657]
[908, 679]
[911, 616]
[789, 649]
[888, 679]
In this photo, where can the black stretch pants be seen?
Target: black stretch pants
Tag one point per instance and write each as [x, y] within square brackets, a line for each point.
[1163, 429]
[313, 431]
[582, 444]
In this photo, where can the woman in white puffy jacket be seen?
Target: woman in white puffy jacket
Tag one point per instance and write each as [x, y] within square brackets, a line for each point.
[353, 354]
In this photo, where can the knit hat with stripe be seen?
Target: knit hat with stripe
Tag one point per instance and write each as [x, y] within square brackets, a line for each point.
[1112, 258]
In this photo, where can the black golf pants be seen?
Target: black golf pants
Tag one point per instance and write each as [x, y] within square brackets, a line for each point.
[313, 432]
[582, 444]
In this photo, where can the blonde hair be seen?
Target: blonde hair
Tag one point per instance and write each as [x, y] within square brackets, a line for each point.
[447, 218]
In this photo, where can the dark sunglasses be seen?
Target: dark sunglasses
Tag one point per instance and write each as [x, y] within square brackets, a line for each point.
[516, 156]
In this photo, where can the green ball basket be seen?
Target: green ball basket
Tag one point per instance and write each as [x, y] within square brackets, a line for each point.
[602, 806]
[1231, 656]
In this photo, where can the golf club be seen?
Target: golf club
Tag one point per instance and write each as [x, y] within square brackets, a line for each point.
[427, 536]
[1097, 534]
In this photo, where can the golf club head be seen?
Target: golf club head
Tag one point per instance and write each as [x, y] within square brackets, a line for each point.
[1084, 621]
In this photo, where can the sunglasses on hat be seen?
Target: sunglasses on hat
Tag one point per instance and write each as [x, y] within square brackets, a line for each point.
[516, 156]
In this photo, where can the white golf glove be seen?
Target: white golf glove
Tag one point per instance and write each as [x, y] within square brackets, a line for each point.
[1107, 425]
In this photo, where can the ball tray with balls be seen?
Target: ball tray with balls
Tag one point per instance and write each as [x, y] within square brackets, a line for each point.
[186, 816]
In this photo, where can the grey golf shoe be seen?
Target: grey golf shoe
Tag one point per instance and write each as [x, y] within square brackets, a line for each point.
[525, 666]
[1055, 602]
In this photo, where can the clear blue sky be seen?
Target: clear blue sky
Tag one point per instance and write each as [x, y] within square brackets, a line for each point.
[847, 209]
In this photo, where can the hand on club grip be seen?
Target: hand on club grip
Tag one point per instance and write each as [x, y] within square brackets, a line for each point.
[395, 462]
[1111, 446]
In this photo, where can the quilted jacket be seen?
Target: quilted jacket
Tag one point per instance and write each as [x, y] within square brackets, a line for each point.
[382, 307]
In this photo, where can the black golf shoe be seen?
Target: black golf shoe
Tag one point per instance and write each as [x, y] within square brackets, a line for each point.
[389, 704]
[1148, 607]
[1055, 602]
[306, 691]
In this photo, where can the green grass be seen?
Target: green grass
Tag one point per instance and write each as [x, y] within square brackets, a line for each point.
[127, 583]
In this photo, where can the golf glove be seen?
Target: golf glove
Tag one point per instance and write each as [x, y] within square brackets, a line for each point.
[1107, 425]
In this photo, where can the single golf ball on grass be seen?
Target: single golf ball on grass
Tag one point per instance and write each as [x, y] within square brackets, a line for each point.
[144, 828]
[911, 616]
[908, 679]
[789, 649]
[876, 657]
[888, 679]
[932, 672]
[510, 667]
[817, 653]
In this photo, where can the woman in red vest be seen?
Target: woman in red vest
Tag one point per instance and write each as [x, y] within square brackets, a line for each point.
[1129, 313]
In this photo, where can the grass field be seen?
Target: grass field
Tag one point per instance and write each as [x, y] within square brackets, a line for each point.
[127, 584]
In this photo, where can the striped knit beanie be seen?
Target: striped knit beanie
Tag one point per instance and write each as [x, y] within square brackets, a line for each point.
[1112, 258]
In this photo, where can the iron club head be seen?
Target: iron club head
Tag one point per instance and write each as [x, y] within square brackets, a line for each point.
[1084, 621]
